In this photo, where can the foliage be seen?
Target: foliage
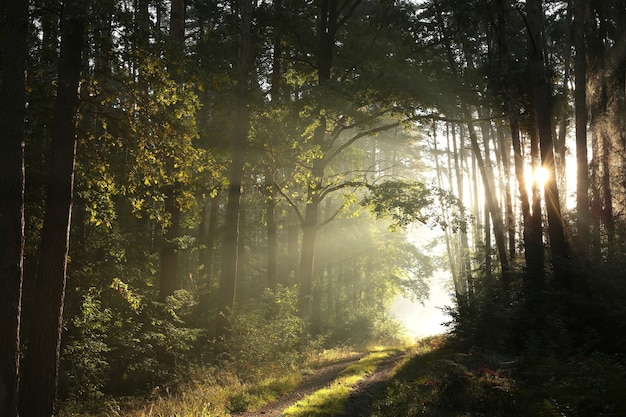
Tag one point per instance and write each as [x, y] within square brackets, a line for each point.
[271, 334]
[407, 202]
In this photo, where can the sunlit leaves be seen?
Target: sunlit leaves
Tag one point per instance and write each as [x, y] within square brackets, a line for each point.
[406, 202]
[402, 201]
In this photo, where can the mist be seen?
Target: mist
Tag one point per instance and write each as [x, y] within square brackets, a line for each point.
[427, 318]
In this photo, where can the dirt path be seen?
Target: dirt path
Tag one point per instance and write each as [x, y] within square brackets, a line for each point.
[357, 404]
[360, 401]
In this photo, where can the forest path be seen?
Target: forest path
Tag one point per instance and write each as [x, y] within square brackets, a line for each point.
[361, 394]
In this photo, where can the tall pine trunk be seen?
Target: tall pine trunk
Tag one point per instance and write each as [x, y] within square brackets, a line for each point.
[241, 121]
[12, 108]
[327, 27]
[541, 97]
[580, 98]
[169, 253]
[40, 371]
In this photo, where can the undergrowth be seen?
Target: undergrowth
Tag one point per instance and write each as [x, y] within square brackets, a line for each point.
[213, 391]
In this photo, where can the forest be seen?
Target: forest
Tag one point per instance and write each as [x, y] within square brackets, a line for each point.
[203, 200]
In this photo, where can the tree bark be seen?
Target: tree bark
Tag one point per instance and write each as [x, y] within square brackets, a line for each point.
[12, 108]
[272, 235]
[169, 281]
[583, 221]
[241, 121]
[465, 270]
[40, 371]
[541, 98]
[326, 31]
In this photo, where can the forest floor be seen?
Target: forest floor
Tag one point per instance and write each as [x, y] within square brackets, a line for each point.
[360, 394]
[434, 379]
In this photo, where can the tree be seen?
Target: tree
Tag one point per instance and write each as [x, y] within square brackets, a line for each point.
[40, 371]
[542, 113]
[580, 97]
[169, 253]
[12, 108]
[241, 121]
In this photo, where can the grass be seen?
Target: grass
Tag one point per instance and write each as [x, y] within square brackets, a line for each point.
[212, 392]
[330, 400]
[440, 382]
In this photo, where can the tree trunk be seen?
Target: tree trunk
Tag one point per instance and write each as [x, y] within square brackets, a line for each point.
[465, 270]
[534, 241]
[292, 244]
[505, 160]
[272, 236]
[327, 27]
[496, 216]
[169, 281]
[580, 97]
[309, 232]
[40, 371]
[12, 108]
[541, 96]
[560, 148]
[241, 121]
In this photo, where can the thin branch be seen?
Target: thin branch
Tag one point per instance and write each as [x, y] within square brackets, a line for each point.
[363, 134]
[290, 201]
[355, 184]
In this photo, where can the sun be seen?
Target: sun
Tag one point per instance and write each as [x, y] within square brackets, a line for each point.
[537, 176]
[541, 176]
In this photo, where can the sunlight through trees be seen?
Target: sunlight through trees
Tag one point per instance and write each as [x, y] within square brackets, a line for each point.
[235, 184]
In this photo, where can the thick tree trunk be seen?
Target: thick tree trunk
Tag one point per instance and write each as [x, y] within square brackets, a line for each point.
[241, 121]
[12, 108]
[541, 96]
[40, 371]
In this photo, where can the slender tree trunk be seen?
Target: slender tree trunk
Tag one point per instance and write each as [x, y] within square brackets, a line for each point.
[505, 158]
[292, 244]
[40, 371]
[580, 97]
[327, 27]
[560, 148]
[241, 121]
[540, 89]
[454, 256]
[534, 242]
[451, 256]
[466, 266]
[309, 233]
[512, 112]
[272, 229]
[12, 107]
[169, 281]
[496, 216]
